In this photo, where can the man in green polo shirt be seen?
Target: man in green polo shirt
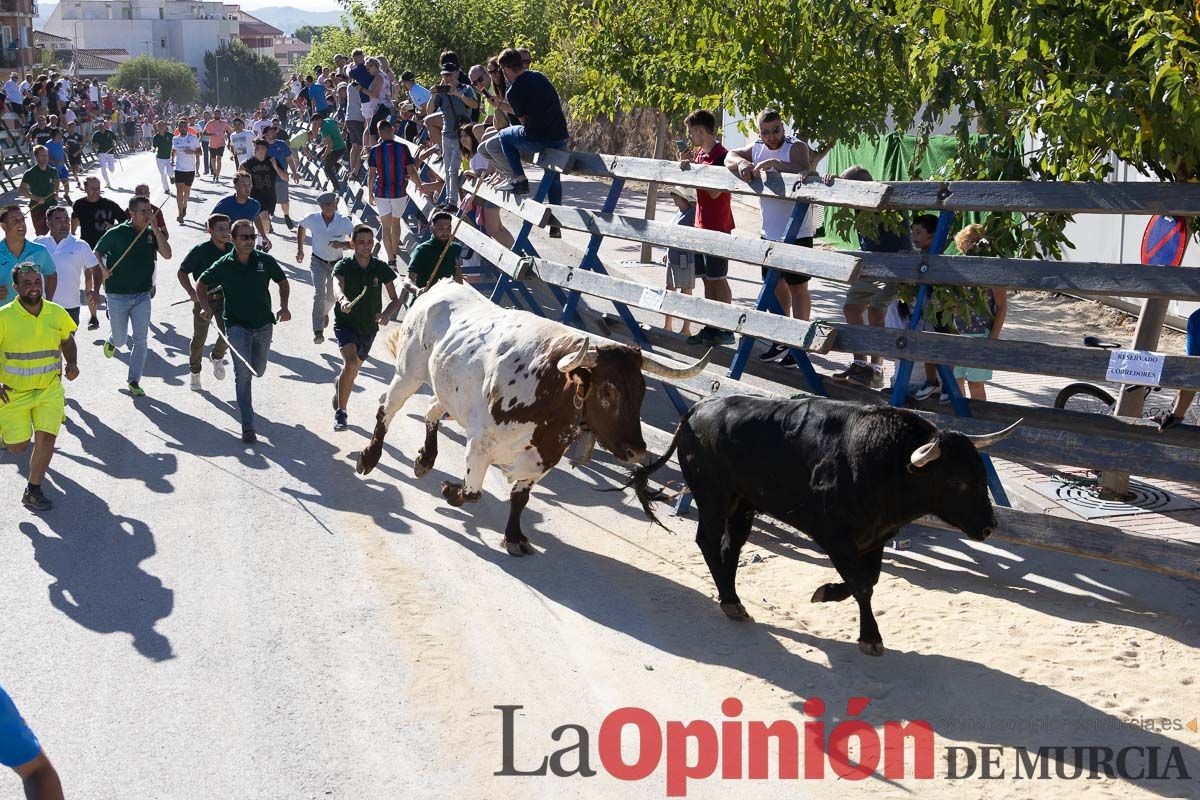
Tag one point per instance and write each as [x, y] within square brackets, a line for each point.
[427, 256]
[40, 185]
[104, 142]
[359, 311]
[326, 130]
[245, 277]
[162, 143]
[128, 253]
[195, 263]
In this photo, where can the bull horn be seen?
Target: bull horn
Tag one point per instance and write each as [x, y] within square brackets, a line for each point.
[925, 454]
[656, 365]
[985, 440]
[585, 356]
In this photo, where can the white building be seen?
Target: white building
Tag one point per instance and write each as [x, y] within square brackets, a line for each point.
[176, 29]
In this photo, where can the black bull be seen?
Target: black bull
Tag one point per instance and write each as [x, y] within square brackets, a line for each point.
[848, 475]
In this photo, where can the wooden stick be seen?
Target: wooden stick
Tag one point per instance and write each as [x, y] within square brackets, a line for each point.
[113, 268]
[461, 216]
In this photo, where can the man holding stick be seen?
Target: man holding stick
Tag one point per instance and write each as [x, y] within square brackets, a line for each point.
[245, 276]
[359, 312]
[128, 254]
[195, 263]
[35, 340]
[40, 185]
[438, 256]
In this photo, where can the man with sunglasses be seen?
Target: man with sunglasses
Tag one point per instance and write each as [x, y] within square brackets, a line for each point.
[35, 340]
[245, 276]
[128, 254]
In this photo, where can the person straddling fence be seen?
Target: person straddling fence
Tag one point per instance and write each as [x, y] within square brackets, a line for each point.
[325, 129]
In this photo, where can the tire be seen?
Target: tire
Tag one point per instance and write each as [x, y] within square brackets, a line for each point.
[1086, 398]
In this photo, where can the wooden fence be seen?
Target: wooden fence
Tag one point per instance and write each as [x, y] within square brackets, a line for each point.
[1049, 436]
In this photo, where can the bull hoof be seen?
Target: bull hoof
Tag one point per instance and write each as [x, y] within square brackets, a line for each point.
[520, 548]
[735, 611]
[362, 467]
[819, 595]
[871, 648]
[453, 493]
[420, 468]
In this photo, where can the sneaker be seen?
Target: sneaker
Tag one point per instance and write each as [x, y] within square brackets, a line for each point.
[109, 349]
[514, 187]
[218, 369]
[773, 352]
[288, 221]
[717, 336]
[944, 399]
[318, 337]
[340, 422]
[196, 387]
[248, 437]
[135, 390]
[34, 500]
[863, 375]
[789, 361]
[926, 391]
[699, 338]
[93, 324]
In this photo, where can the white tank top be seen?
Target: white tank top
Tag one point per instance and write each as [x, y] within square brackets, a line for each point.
[777, 213]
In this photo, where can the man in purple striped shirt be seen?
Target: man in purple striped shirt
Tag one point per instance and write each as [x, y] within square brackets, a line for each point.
[388, 165]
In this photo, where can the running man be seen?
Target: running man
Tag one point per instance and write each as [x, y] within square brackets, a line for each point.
[73, 141]
[185, 150]
[128, 254]
[214, 133]
[244, 277]
[359, 312]
[279, 150]
[162, 143]
[195, 263]
[35, 340]
[263, 171]
[240, 205]
[21, 751]
[15, 249]
[92, 215]
[104, 142]
[241, 143]
[72, 260]
[330, 232]
[40, 185]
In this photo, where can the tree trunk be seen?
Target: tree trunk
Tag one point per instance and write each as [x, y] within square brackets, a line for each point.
[1115, 485]
[660, 142]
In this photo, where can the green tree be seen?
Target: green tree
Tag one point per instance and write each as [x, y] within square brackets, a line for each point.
[235, 76]
[176, 78]
[306, 33]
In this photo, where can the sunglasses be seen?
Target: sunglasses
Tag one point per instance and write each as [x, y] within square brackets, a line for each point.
[245, 237]
[24, 268]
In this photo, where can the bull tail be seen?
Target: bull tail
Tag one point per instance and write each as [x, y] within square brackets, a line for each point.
[641, 475]
[392, 343]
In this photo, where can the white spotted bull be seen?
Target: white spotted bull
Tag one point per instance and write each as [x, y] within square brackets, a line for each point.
[523, 388]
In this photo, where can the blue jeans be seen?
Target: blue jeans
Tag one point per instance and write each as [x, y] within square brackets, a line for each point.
[254, 345]
[124, 309]
[514, 142]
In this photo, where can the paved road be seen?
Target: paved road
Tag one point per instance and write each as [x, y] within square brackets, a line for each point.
[201, 619]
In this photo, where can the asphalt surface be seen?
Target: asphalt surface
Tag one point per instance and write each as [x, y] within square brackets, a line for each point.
[198, 618]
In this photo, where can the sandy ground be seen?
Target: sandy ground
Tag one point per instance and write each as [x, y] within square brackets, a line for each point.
[197, 619]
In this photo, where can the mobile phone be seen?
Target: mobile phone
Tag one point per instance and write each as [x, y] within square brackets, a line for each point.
[682, 144]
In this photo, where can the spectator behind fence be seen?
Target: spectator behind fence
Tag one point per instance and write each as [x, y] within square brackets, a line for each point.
[775, 151]
[535, 102]
[979, 312]
[487, 215]
[713, 213]
[868, 297]
[681, 264]
[923, 229]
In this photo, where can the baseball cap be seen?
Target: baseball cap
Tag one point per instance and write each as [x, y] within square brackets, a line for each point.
[449, 68]
[325, 198]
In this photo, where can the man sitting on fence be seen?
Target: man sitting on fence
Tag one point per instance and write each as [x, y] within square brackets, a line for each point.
[775, 151]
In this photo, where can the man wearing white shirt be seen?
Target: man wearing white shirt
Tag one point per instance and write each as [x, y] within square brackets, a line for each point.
[72, 259]
[261, 124]
[241, 142]
[185, 150]
[331, 233]
[14, 96]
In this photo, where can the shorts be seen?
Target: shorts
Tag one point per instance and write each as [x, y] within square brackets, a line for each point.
[216, 151]
[875, 294]
[362, 342]
[974, 374]
[16, 108]
[75, 160]
[794, 278]
[63, 173]
[184, 178]
[73, 313]
[1193, 333]
[32, 410]
[381, 113]
[683, 274]
[354, 130]
[390, 206]
[267, 203]
[281, 191]
[711, 268]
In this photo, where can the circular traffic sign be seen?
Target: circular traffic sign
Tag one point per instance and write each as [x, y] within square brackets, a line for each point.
[1165, 241]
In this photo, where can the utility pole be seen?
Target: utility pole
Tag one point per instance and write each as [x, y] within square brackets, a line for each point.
[149, 55]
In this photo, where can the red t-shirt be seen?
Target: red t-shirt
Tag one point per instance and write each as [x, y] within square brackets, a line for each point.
[713, 213]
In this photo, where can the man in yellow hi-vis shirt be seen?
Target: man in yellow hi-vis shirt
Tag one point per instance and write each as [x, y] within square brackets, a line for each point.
[35, 340]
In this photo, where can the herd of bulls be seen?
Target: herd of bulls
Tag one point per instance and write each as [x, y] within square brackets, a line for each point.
[524, 388]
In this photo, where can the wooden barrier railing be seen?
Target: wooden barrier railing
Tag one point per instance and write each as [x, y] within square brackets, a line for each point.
[1049, 436]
